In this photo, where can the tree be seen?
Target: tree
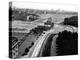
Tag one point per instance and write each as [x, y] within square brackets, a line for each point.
[39, 29]
[67, 43]
[73, 21]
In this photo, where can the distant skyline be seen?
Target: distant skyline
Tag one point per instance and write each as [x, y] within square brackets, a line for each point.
[45, 6]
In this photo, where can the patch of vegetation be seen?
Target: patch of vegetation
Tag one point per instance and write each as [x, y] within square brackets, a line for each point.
[39, 29]
[73, 21]
[67, 43]
[27, 49]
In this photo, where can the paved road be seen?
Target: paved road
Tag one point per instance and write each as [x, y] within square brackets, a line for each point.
[34, 51]
[38, 44]
[47, 43]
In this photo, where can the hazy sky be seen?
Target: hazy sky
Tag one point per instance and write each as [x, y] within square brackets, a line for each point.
[49, 6]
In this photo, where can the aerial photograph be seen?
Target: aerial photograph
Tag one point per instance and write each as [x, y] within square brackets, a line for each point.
[42, 30]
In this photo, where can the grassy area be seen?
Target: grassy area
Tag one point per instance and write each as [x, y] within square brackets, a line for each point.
[18, 35]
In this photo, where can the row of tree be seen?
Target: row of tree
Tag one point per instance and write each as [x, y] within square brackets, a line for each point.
[39, 29]
[67, 43]
[73, 21]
